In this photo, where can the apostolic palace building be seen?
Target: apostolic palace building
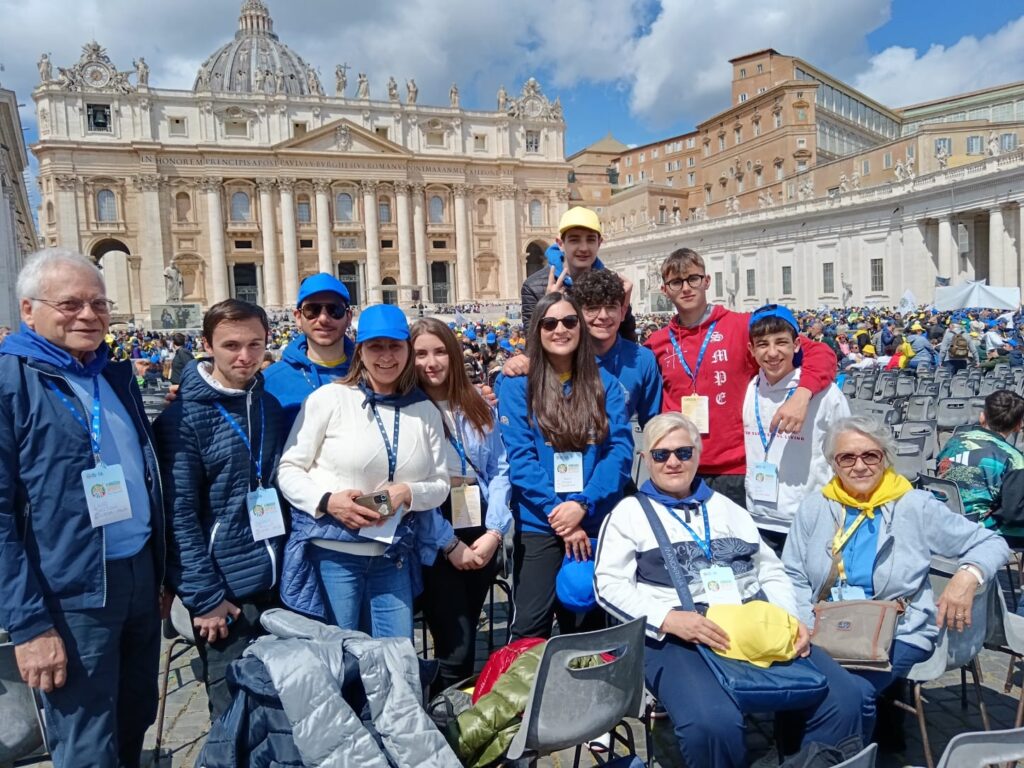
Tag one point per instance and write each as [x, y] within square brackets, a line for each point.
[256, 177]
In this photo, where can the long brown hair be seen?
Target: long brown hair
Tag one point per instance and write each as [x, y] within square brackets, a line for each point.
[357, 372]
[460, 392]
[570, 422]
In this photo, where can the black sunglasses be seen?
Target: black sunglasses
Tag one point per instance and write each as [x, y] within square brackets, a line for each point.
[312, 310]
[550, 323]
[660, 455]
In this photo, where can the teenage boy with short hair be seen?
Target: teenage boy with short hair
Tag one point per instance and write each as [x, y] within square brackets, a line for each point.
[219, 444]
[706, 366]
[782, 468]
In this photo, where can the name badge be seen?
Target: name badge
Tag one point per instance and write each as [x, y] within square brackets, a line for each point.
[695, 408]
[720, 586]
[106, 495]
[466, 506]
[848, 592]
[569, 472]
[764, 482]
[265, 518]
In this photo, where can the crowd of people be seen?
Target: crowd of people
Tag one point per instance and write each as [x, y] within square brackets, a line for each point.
[350, 469]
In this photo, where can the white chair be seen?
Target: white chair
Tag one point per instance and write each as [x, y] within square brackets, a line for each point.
[21, 727]
[981, 748]
[178, 629]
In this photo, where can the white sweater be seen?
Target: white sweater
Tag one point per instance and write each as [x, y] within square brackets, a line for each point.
[801, 463]
[335, 444]
[630, 577]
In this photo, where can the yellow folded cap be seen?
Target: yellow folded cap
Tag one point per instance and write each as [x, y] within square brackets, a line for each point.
[759, 632]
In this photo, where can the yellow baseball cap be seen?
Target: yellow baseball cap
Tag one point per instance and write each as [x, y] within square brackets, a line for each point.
[579, 217]
[759, 632]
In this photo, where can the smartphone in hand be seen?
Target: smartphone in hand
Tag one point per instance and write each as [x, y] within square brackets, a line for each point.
[378, 501]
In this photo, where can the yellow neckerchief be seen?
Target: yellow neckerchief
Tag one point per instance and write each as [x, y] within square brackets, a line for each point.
[892, 487]
[564, 377]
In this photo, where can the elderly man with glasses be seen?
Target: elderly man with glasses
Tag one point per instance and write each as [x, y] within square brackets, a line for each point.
[81, 533]
[321, 353]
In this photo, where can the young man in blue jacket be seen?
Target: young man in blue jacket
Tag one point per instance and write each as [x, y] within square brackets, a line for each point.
[81, 534]
[219, 444]
[323, 351]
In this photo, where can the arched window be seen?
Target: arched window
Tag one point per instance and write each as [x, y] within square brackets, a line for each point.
[436, 209]
[536, 214]
[481, 211]
[384, 210]
[182, 206]
[106, 206]
[302, 209]
[240, 207]
[343, 207]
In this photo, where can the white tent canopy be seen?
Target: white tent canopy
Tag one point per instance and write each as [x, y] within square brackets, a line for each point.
[976, 295]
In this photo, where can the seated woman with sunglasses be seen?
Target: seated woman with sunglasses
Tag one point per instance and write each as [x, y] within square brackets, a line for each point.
[570, 448]
[724, 560]
[882, 534]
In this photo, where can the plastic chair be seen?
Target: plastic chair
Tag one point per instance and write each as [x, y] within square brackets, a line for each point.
[953, 412]
[909, 459]
[905, 386]
[863, 759]
[602, 696]
[921, 408]
[981, 748]
[1007, 636]
[178, 629]
[22, 733]
[924, 430]
[946, 491]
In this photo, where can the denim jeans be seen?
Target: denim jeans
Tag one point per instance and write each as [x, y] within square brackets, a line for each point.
[354, 583]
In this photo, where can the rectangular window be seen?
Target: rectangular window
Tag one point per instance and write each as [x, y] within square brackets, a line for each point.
[654, 154]
[643, 174]
[779, 172]
[760, 68]
[877, 275]
[707, 195]
[382, 131]
[739, 184]
[887, 160]
[643, 156]
[865, 168]
[306, 245]
[718, 285]
[348, 273]
[299, 129]
[691, 142]
[243, 245]
[439, 245]
[944, 144]
[303, 213]
[435, 138]
[387, 245]
[691, 179]
[801, 165]
[758, 177]
[751, 282]
[737, 135]
[347, 243]
[533, 141]
[629, 161]
[98, 116]
[787, 281]
[828, 277]
[721, 143]
[777, 119]
[974, 145]
[757, 127]
[480, 142]
[236, 129]
[707, 149]
[1007, 142]
[743, 72]
[691, 161]
[743, 97]
[629, 179]
[176, 126]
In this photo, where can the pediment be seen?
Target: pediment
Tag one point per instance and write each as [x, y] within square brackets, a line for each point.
[343, 137]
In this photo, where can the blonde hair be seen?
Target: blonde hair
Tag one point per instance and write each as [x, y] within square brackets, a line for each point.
[667, 423]
[678, 261]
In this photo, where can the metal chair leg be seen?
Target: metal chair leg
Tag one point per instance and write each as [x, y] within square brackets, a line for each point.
[975, 667]
[919, 707]
[158, 742]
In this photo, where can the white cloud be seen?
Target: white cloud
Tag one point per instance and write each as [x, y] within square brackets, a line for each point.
[899, 76]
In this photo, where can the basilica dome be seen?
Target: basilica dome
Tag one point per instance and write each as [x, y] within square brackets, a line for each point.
[256, 61]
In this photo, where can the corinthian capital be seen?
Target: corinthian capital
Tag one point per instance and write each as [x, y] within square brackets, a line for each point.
[402, 188]
[286, 183]
[462, 190]
[266, 184]
[368, 186]
[147, 183]
[321, 186]
[67, 183]
[210, 183]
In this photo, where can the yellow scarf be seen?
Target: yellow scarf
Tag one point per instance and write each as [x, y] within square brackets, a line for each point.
[892, 487]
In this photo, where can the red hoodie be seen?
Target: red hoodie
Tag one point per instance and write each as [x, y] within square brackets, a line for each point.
[723, 377]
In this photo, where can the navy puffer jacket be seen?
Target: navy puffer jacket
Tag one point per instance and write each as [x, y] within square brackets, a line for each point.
[207, 472]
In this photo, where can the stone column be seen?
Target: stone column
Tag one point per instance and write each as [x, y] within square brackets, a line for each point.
[1001, 270]
[508, 242]
[463, 256]
[323, 227]
[67, 211]
[268, 228]
[406, 272]
[289, 241]
[1020, 241]
[215, 220]
[562, 206]
[369, 190]
[419, 235]
[151, 240]
[947, 256]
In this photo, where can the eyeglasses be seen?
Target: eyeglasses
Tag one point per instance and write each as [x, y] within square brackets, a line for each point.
[311, 310]
[609, 309]
[676, 284]
[72, 307]
[870, 459]
[660, 455]
[568, 322]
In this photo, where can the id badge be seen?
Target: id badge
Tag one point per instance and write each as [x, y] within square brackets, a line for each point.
[106, 495]
[764, 482]
[569, 472]
[265, 518]
[848, 592]
[695, 408]
[466, 506]
[720, 586]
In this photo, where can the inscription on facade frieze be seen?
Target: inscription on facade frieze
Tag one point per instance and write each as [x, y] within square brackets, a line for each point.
[326, 163]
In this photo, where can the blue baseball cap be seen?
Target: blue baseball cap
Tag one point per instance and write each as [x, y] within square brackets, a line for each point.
[491, 338]
[774, 310]
[319, 283]
[382, 321]
[574, 584]
[470, 334]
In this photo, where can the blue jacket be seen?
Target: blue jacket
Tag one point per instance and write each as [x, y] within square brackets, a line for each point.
[637, 371]
[51, 558]
[531, 460]
[294, 376]
[207, 473]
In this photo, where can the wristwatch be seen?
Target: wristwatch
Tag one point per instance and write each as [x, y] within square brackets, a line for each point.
[975, 571]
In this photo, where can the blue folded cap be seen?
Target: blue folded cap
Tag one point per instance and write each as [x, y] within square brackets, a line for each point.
[470, 334]
[574, 584]
[774, 310]
[504, 344]
[321, 282]
[491, 338]
[382, 321]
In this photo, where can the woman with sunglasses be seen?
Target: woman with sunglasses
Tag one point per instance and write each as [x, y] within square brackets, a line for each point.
[882, 535]
[723, 560]
[570, 448]
[456, 582]
[364, 461]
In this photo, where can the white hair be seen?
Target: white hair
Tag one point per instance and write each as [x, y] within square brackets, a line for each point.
[666, 423]
[865, 425]
[41, 263]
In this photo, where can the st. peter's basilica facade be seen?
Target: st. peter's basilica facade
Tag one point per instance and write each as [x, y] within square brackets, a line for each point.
[256, 178]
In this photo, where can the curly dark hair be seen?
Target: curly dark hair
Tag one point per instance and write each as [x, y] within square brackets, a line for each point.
[599, 288]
